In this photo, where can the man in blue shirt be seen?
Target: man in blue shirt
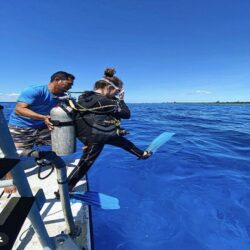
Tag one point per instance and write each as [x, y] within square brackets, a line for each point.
[29, 123]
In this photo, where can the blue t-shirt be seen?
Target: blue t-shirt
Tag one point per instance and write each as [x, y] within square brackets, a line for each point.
[40, 100]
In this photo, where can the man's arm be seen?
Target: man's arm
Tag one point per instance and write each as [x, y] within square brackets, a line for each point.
[22, 109]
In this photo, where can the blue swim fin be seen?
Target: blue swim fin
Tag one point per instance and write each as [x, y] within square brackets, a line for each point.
[159, 141]
[96, 199]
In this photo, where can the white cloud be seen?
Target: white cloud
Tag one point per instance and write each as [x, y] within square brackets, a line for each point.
[8, 97]
[9, 94]
[203, 92]
[200, 92]
[13, 94]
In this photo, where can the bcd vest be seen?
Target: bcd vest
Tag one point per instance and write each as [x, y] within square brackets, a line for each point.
[95, 124]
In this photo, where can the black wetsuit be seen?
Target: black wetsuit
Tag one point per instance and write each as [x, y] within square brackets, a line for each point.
[95, 129]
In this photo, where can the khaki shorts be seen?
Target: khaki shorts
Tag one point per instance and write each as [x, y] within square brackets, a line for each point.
[29, 137]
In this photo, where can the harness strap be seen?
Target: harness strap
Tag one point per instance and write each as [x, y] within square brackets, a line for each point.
[58, 123]
[83, 109]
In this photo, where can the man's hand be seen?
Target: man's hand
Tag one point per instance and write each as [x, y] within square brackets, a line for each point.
[48, 122]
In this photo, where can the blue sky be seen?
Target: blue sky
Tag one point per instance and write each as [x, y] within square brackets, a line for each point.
[163, 50]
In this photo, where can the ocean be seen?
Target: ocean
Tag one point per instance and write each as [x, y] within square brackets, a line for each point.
[192, 194]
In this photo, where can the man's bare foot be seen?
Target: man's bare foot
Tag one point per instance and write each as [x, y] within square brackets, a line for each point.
[10, 190]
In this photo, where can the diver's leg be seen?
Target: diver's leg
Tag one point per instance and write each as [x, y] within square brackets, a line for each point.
[90, 153]
[127, 145]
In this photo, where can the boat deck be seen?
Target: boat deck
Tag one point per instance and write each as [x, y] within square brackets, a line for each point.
[51, 211]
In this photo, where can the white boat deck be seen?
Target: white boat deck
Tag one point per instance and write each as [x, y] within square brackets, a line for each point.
[51, 212]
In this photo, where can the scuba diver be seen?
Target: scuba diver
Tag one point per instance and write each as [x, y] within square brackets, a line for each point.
[98, 123]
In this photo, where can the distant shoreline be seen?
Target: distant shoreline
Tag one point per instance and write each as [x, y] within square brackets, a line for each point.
[177, 102]
[205, 102]
[188, 102]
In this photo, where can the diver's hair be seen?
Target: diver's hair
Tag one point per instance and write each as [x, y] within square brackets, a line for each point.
[109, 72]
[62, 75]
[109, 76]
[100, 84]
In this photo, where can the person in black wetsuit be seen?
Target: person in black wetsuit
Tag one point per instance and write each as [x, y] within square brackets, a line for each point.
[98, 123]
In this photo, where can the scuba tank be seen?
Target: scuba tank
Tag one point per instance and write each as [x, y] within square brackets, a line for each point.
[63, 137]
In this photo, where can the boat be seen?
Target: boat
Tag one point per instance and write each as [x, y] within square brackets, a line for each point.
[33, 218]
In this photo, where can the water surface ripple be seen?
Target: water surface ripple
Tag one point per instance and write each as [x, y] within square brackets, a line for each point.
[193, 194]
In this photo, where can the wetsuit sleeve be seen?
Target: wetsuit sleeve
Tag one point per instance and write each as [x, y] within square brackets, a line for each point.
[122, 110]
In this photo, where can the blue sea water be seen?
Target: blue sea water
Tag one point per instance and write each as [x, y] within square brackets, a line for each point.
[192, 194]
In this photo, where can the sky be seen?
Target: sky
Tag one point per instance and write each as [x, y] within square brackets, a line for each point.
[163, 50]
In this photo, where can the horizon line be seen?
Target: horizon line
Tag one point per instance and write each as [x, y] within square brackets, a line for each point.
[175, 102]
